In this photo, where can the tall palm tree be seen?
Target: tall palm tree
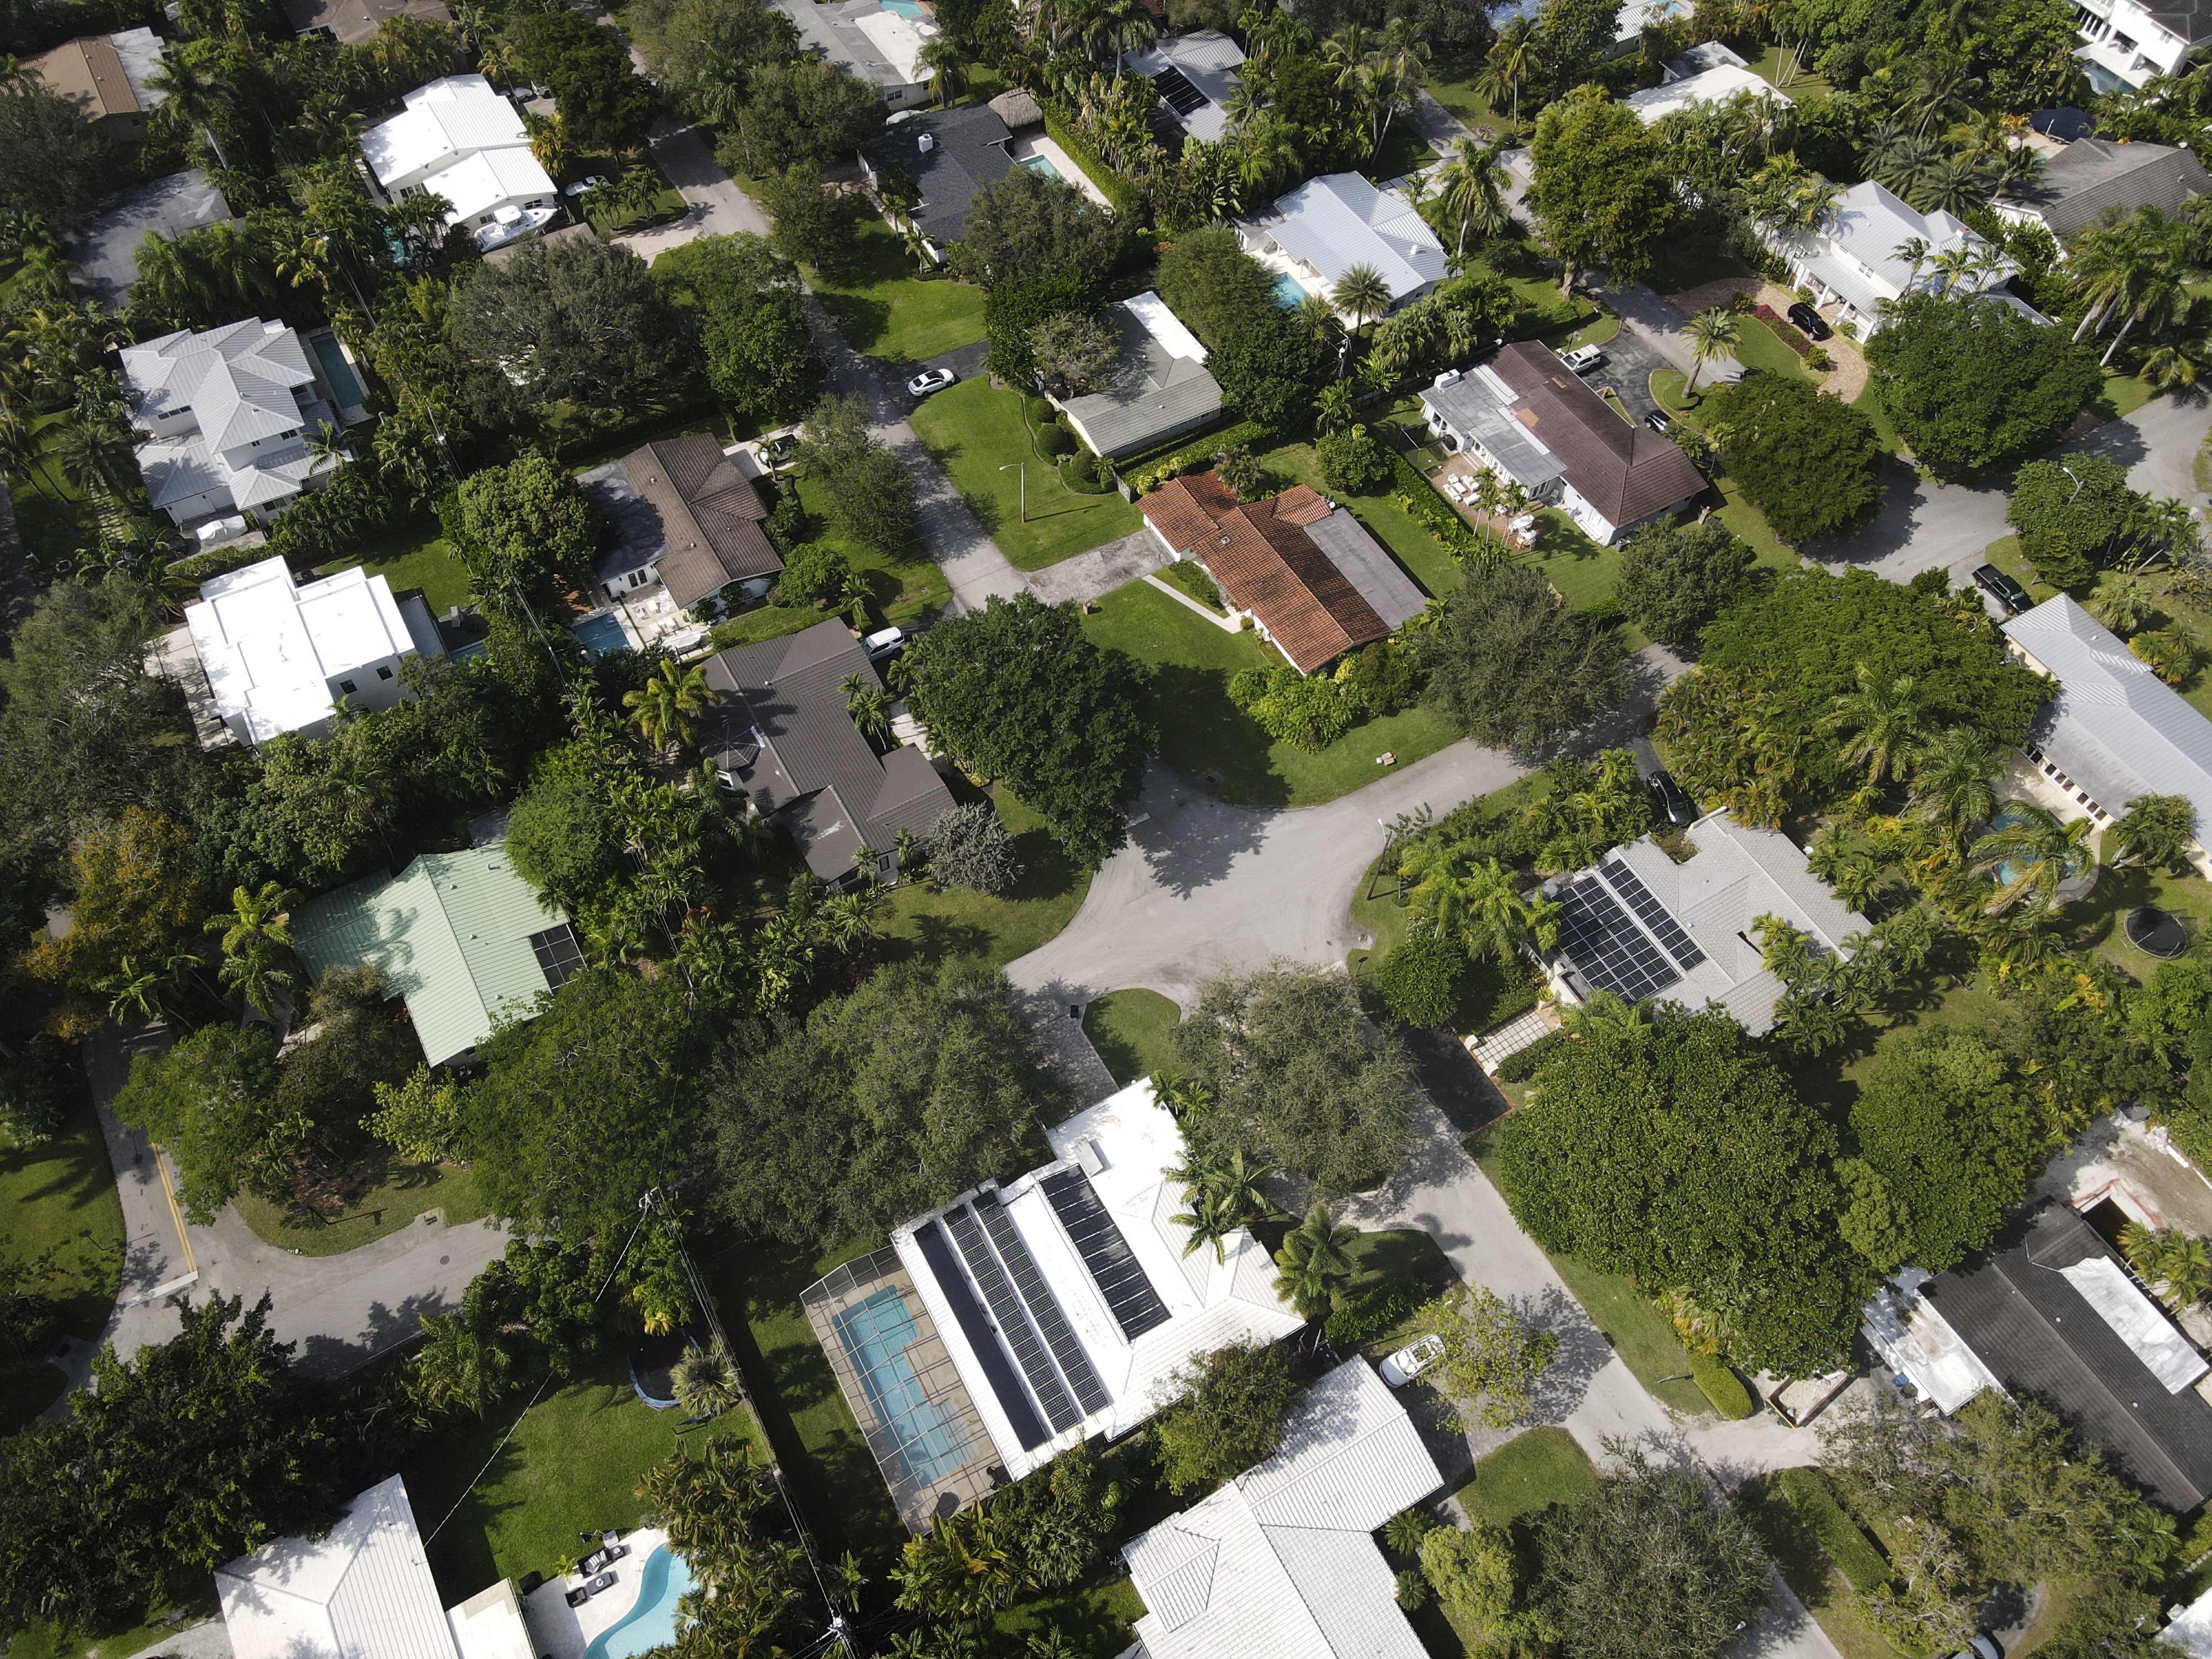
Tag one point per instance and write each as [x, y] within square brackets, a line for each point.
[1333, 407]
[96, 457]
[941, 59]
[1948, 184]
[868, 708]
[1317, 319]
[1362, 294]
[19, 452]
[257, 945]
[1883, 715]
[1183, 1097]
[326, 447]
[1713, 333]
[1514, 59]
[1472, 186]
[2154, 829]
[1223, 1193]
[1476, 902]
[1953, 780]
[459, 1366]
[2042, 852]
[1604, 1014]
[661, 709]
[1316, 1258]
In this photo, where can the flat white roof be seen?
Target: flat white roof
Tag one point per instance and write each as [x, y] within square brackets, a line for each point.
[1712, 86]
[364, 1590]
[1164, 325]
[489, 1624]
[2137, 1320]
[488, 179]
[900, 40]
[271, 649]
[1905, 1329]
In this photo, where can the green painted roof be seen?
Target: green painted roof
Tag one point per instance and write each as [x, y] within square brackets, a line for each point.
[453, 930]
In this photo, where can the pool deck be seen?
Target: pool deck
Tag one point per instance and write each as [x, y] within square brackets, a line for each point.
[1036, 143]
[558, 1631]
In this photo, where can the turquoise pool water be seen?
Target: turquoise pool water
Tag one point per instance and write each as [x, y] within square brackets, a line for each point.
[651, 1621]
[1040, 164]
[337, 371]
[1288, 294]
[928, 1442]
[905, 9]
[601, 634]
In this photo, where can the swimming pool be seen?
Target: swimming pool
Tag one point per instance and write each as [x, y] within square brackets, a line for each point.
[928, 1442]
[651, 1621]
[1288, 294]
[1040, 164]
[601, 634]
[905, 9]
[337, 371]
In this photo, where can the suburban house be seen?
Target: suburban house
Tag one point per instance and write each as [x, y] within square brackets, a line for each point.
[705, 518]
[1157, 389]
[1638, 924]
[1193, 75]
[1283, 1559]
[2114, 732]
[2126, 42]
[103, 248]
[1855, 261]
[780, 730]
[949, 154]
[1528, 417]
[2091, 177]
[1328, 225]
[350, 22]
[464, 938]
[1306, 572]
[873, 41]
[278, 656]
[1001, 1328]
[1709, 74]
[109, 77]
[459, 139]
[227, 417]
[2051, 1310]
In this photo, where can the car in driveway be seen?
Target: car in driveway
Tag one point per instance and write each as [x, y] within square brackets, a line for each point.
[1582, 359]
[1670, 802]
[1410, 1361]
[884, 642]
[931, 380]
[1660, 422]
[2003, 588]
[1810, 321]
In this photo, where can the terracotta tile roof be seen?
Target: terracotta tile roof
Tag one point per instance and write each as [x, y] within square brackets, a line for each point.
[710, 516]
[1268, 564]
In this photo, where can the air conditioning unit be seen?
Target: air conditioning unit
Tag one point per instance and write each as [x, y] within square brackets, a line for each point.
[928, 142]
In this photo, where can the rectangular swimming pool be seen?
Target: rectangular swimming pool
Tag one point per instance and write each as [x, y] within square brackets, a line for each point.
[602, 635]
[1040, 164]
[1288, 294]
[928, 1442]
[337, 371]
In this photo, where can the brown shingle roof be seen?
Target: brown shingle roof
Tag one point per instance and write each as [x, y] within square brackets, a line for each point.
[1627, 472]
[1269, 565]
[710, 516]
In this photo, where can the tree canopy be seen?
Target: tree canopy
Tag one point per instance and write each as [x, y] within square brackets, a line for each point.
[1511, 666]
[604, 103]
[801, 109]
[52, 160]
[870, 493]
[1214, 285]
[520, 524]
[1224, 1414]
[1028, 225]
[1675, 579]
[1970, 383]
[761, 356]
[2076, 516]
[1810, 462]
[576, 322]
[1600, 194]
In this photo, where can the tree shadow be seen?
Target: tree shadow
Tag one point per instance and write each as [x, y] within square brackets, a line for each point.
[862, 318]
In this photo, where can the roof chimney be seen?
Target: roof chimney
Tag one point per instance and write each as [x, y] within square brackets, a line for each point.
[928, 142]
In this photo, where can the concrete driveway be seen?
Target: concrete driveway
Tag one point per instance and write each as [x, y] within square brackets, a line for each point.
[1656, 328]
[718, 206]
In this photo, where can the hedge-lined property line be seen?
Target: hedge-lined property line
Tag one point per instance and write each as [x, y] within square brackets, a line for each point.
[1421, 499]
[1128, 201]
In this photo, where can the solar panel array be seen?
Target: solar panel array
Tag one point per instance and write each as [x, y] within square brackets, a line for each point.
[1013, 1321]
[557, 955]
[1653, 915]
[1173, 85]
[1043, 1305]
[1611, 950]
[953, 1285]
[1120, 1276]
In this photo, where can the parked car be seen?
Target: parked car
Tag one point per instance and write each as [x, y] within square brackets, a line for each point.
[778, 449]
[583, 185]
[1660, 422]
[1810, 321]
[884, 642]
[935, 379]
[1409, 1362]
[1582, 359]
[2001, 588]
[1670, 802]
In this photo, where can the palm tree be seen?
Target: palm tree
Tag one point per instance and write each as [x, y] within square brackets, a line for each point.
[459, 1366]
[2154, 829]
[1884, 715]
[1604, 1014]
[19, 452]
[133, 992]
[1954, 784]
[96, 457]
[325, 448]
[1223, 1196]
[2042, 851]
[661, 709]
[1478, 903]
[1947, 184]
[1187, 1099]
[941, 59]
[1472, 186]
[1316, 1258]
[1333, 407]
[1317, 319]
[868, 707]
[2169, 1258]
[1513, 61]
[2125, 605]
[1713, 333]
[1362, 293]
[705, 1380]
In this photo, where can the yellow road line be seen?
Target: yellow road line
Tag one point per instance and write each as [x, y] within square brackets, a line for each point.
[161, 1169]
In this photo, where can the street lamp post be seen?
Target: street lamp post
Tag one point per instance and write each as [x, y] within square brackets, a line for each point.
[1022, 470]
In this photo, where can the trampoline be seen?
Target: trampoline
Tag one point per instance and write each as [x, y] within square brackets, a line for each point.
[650, 1363]
[2157, 932]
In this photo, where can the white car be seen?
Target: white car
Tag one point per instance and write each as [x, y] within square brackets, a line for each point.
[935, 379]
[582, 184]
[881, 643]
[1582, 359]
[1409, 1362]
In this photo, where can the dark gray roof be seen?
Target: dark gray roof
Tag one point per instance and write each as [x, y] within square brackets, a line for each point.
[1397, 599]
[1150, 394]
[2040, 1335]
[967, 150]
[780, 730]
[2191, 19]
[2115, 728]
[2090, 176]
[633, 538]
[106, 248]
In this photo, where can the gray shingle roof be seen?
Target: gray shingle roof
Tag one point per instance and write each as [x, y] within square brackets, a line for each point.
[1396, 598]
[2091, 175]
[2115, 728]
[968, 151]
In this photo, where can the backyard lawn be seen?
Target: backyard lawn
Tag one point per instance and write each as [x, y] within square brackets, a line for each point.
[978, 436]
[884, 309]
[919, 920]
[1536, 1467]
[400, 1194]
[1130, 1029]
[1796, 1550]
[59, 1195]
[411, 554]
[1187, 695]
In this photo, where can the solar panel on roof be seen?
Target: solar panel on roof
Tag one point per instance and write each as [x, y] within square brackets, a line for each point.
[1118, 1274]
[1043, 1305]
[1611, 950]
[557, 955]
[1005, 1305]
[1174, 86]
[1020, 1413]
[1670, 933]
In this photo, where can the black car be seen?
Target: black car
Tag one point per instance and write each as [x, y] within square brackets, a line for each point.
[2003, 588]
[778, 450]
[1660, 422]
[1668, 803]
[1809, 320]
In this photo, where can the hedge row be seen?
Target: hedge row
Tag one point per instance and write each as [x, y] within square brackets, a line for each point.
[1521, 1065]
[1784, 331]
[206, 567]
[1373, 1311]
[1419, 498]
[1193, 456]
[1723, 1387]
[1854, 1553]
[1127, 199]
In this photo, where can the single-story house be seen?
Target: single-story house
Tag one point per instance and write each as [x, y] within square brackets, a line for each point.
[950, 153]
[109, 77]
[2091, 177]
[105, 247]
[1639, 925]
[352, 22]
[1709, 74]
[1528, 417]
[1282, 1560]
[2051, 1310]
[459, 139]
[2115, 731]
[1157, 389]
[1330, 224]
[779, 729]
[464, 938]
[707, 519]
[1005, 1327]
[1853, 261]
[1306, 571]
[869, 41]
[1193, 75]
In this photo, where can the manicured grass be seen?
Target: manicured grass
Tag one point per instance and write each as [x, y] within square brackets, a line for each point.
[1407, 538]
[1868, 403]
[973, 430]
[399, 1194]
[901, 586]
[1187, 694]
[1534, 1469]
[1374, 906]
[1129, 1030]
[1796, 1550]
[1767, 65]
[1759, 347]
[572, 1466]
[1092, 1617]
[921, 921]
[40, 1640]
[2123, 393]
[1449, 78]
[411, 554]
[59, 1195]
[886, 309]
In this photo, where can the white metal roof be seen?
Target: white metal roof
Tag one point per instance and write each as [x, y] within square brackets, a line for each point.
[361, 1591]
[454, 117]
[271, 649]
[1712, 86]
[1209, 60]
[1340, 220]
[2137, 1320]
[1905, 1328]
[243, 361]
[484, 181]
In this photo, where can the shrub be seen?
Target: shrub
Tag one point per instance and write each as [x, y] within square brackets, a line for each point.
[1520, 1066]
[1189, 576]
[814, 573]
[1042, 412]
[1811, 463]
[1055, 441]
[1234, 466]
[1146, 473]
[969, 848]
[1308, 711]
[1374, 1310]
[1352, 463]
[1386, 673]
[2170, 652]
[1818, 358]
[1854, 1553]
[1419, 498]
[1412, 1591]
[786, 522]
[1083, 467]
[1418, 982]
[1721, 1386]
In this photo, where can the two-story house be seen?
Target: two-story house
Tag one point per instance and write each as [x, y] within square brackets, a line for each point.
[459, 139]
[1862, 256]
[2126, 42]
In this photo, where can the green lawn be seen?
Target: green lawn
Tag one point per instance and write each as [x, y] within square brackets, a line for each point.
[60, 1195]
[1449, 78]
[921, 921]
[399, 1194]
[1534, 1469]
[886, 310]
[40, 1640]
[974, 431]
[411, 554]
[901, 588]
[1767, 63]
[1759, 347]
[1408, 540]
[2123, 393]
[572, 1466]
[1130, 1029]
[1186, 695]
